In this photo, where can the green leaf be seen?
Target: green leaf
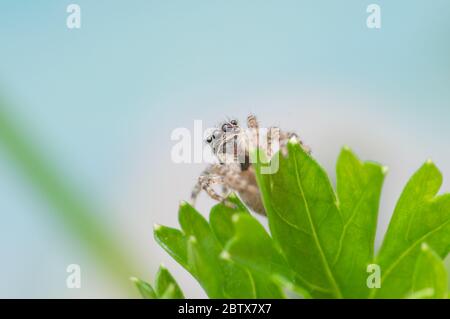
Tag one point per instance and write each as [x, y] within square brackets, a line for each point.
[237, 281]
[429, 275]
[144, 288]
[336, 240]
[199, 249]
[174, 242]
[426, 293]
[222, 220]
[204, 259]
[195, 226]
[304, 219]
[359, 188]
[252, 247]
[321, 242]
[166, 286]
[420, 216]
[290, 289]
[220, 278]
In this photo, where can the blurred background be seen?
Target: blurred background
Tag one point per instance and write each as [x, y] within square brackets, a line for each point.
[86, 116]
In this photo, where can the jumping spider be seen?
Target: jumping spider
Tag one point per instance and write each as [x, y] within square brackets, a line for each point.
[230, 144]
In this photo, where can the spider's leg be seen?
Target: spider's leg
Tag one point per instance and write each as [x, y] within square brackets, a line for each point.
[284, 139]
[195, 191]
[253, 128]
[213, 175]
[252, 122]
[207, 182]
[198, 187]
[225, 190]
[273, 134]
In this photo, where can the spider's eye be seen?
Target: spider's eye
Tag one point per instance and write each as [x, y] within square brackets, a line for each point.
[209, 139]
[225, 127]
[234, 122]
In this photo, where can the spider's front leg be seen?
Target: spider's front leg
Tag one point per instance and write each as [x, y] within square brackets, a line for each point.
[283, 139]
[253, 131]
[213, 175]
[272, 135]
[202, 179]
[252, 122]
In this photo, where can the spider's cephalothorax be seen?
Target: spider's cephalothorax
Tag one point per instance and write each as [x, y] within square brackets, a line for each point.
[230, 143]
[225, 141]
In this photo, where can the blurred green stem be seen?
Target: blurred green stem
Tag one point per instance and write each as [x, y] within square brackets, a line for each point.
[69, 207]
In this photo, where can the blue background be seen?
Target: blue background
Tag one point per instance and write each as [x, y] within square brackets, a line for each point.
[101, 102]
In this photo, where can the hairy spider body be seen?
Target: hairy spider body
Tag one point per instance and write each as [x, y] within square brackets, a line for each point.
[235, 172]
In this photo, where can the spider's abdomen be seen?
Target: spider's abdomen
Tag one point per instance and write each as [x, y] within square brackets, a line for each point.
[251, 195]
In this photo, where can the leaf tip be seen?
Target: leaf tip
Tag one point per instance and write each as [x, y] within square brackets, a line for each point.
[424, 247]
[429, 162]
[156, 227]
[183, 203]
[225, 255]
[134, 279]
[293, 140]
[232, 196]
[192, 240]
[384, 169]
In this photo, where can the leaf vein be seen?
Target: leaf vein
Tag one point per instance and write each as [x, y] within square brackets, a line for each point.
[316, 239]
